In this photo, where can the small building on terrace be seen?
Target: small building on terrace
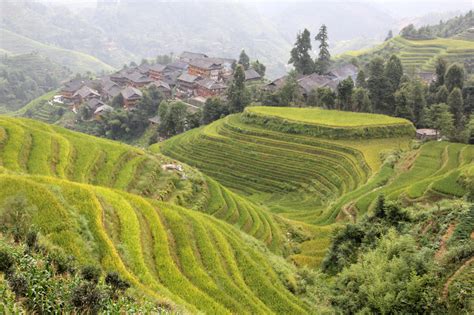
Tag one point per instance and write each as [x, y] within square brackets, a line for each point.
[206, 68]
[207, 87]
[427, 134]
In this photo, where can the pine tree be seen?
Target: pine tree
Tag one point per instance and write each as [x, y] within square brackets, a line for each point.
[394, 72]
[454, 77]
[379, 87]
[324, 57]
[418, 101]
[259, 67]
[456, 106]
[439, 117]
[237, 93]
[361, 101]
[361, 81]
[389, 35]
[244, 60]
[440, 71]
[403, 107]
[442, 94]
[344, 94]
[300, 54]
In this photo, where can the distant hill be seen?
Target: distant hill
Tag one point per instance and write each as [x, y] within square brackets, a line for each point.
[26, 77]
[74, 60]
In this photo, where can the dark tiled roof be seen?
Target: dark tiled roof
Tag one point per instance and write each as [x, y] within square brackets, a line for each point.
[251, 74]
[157, 67]
[131, 92]
[177, 65]
[345, 71]
[313, 81]
[86, 91]
[211, 84]
[103, 109]
[73, 85]
[161, 84]
[206, 63]
[94, 103]
[191, 55]
[186, 77]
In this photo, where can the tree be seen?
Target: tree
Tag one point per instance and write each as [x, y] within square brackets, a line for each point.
[361, 101]
[289, 94]
[259, 67]
[456, 106]
[379, 87]
[440, 71]
[394, 72]
[244, 60]
[389, 35]
[237, 93]
[344, 93]
[442, 94]
[193, 119]
[177, 118]
[454, 77]
[213, 109]
[418, 101]
[325, 97]
[300, 54]
[117, 101]
[324, 57]
[361, 81]
[440, 118]
[403, 106]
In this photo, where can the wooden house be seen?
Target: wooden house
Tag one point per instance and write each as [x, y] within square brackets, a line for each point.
[156, 71]
[206, 68]
[187, 82]
[131, 96]
[207, 87]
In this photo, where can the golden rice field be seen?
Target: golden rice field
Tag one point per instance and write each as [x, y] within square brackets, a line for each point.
[318, 181]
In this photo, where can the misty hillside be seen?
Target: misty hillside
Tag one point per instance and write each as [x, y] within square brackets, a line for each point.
[111, 31]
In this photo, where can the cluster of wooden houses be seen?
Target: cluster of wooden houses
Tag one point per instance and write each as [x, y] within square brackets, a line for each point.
[192, 75]
[310, 82]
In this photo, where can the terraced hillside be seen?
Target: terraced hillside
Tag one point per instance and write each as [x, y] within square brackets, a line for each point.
[315, 175]
[191, 260]
[421, 55]
[31, 147]
[172, 255]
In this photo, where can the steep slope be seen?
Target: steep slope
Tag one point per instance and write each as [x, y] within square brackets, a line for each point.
[191, 260]
[168, 253]
[36, 148]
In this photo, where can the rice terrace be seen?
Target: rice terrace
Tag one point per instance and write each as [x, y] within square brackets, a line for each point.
[331, 172]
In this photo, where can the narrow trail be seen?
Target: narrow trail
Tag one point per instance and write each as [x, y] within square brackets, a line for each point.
[454, 275]
[442, 248]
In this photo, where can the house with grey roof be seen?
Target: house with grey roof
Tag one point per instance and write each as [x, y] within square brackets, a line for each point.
[131, 96]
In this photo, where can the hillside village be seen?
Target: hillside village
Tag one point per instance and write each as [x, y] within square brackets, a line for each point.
[192, 78]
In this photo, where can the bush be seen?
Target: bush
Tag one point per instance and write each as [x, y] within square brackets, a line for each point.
[91, 273]
[32, 240]
[6, 261]
[113, 279]
[87, 297]
[18, 284]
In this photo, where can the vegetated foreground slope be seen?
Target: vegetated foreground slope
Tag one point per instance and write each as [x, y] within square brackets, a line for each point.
[31, 147]
[421, 55]
[318, 176]
[170, 254]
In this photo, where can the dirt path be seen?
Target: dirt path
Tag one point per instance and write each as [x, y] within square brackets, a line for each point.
[442, 248]
[454, 275]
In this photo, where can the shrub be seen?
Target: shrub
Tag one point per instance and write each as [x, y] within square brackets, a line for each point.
[32, 240]
[87, 297]
[6, 261]
[91, 273]
[18, 284]
[113, 279]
